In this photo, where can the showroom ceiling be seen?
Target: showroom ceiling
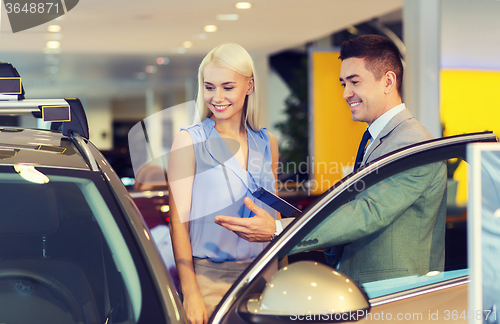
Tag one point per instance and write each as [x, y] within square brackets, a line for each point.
[104, 42]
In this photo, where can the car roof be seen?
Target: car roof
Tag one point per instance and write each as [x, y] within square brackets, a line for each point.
[65, 145]
[38, 147]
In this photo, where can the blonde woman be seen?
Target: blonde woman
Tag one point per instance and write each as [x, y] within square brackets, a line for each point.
[213, 167]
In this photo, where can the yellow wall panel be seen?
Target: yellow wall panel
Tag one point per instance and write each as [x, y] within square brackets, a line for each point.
[469, 104]
[468, 101]
[335, 135]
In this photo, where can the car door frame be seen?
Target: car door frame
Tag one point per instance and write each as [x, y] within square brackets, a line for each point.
[399, 160]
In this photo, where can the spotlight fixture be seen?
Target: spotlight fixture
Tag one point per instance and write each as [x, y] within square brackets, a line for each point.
[53, 44]
[54, 28]
[243, 5]
[210, 28]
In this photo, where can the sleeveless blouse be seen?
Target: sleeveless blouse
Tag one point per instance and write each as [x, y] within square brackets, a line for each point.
[219, 188]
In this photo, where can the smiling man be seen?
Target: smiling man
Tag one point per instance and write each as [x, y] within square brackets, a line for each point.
[372, 76]
[396, 227]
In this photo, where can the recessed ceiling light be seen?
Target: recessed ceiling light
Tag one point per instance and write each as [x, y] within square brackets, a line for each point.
[187, 44]
[228, 17]
[202, 36]
[54, 28]
[243, 5]
[210, 28]
[53, 44]
[352, 30]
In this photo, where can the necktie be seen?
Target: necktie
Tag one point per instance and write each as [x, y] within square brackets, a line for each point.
[361, 149]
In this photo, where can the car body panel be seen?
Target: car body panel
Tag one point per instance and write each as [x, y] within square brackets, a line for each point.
[38, 147]
[431, 305]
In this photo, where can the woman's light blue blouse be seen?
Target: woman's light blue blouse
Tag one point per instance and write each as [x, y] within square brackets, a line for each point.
[219, 187]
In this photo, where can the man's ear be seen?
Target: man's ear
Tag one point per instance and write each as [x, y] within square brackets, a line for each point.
[390, 81]
[250, 86]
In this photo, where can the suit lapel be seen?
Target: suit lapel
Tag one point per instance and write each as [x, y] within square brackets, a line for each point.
[393, 123]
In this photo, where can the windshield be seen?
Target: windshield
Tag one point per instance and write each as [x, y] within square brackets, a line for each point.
[63, 253]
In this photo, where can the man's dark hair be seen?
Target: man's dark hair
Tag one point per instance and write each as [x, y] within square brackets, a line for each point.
[380, 54]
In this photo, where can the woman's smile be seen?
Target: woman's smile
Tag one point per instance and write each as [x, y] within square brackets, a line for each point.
[220, 108]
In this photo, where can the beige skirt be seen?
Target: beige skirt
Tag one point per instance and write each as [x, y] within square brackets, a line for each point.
[214, 279]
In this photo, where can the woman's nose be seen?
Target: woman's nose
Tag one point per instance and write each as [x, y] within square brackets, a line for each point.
[219, 96]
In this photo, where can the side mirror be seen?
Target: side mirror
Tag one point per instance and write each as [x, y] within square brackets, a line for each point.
[307, 291]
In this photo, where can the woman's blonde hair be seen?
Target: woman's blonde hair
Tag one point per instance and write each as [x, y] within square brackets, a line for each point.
[235, 58]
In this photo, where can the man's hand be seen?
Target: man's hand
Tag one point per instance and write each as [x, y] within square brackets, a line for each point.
[259, 228]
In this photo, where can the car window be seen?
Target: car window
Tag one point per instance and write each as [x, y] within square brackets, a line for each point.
[390, 235]
[63, 251]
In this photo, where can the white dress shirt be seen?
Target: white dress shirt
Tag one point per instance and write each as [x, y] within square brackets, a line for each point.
[376, 127]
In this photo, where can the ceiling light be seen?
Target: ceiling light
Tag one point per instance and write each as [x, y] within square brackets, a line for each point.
[202, 36]
[187, 44]
[54, 28]
[210, 28]
[230, 17]
[162, 60]
[151, 69]
[181, 50]
[243, 5]
[53, 44]
[352, 30]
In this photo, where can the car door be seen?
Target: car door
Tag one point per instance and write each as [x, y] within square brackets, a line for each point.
[423, 297]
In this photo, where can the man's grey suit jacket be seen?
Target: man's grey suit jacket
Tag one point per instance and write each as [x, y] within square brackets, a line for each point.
[396, 227]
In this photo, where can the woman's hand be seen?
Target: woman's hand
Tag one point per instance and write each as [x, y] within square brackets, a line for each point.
[195, 309]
